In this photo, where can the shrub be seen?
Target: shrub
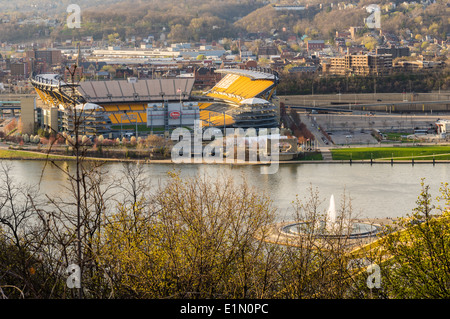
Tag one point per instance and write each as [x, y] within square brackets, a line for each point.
[108, 142]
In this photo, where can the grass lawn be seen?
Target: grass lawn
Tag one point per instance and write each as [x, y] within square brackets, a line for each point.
[311, 156]
[398, 137]
[9, 154]
[399, 153]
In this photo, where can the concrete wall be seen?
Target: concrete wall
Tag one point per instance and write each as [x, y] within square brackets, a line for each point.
[383, 99]
[365, 97]
[27, 105]
[50, 118]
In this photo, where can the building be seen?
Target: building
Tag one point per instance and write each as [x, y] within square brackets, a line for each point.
[19, 70]
[266, 51]
[72, 74]
[206, 77]
[289, 7]
[242, 98]
[396, 52]
[343, 34]
[172, 115]
[51, 57]
[443, 128]
[418, 64]
[106, 104]
[304, 69]
[315, 45]
[354, 31]
[27, 114]
[360, 64]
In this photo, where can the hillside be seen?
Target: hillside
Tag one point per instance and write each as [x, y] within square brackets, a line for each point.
[190, 20]
[322, 21]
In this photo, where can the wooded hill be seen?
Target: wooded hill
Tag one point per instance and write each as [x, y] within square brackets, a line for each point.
[190, 20]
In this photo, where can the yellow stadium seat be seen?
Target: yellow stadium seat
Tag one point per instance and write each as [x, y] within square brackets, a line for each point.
[238, 88]
[205, 115]
[113, 119]
[137, 107]
[123, 107]
[241, 90]
[202, 106]
[110, 108]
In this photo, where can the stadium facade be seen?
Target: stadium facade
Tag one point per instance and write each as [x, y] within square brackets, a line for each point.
[243, 98]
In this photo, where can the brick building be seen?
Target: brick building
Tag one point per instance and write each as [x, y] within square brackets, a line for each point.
[360, 64]
[51, 57]
[396, 52]
[206, 77]
[19, 70]
[315, 45]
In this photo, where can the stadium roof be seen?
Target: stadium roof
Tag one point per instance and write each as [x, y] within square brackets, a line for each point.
[142, 90]
[254, 100]
[88, 107]
[49, 79]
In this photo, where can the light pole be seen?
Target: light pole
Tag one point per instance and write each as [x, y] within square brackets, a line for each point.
[136, 127]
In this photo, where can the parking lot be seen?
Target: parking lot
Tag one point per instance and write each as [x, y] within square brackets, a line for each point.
[356, 128]
[354, 137]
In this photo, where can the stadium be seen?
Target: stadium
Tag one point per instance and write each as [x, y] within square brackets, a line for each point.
[243, 98]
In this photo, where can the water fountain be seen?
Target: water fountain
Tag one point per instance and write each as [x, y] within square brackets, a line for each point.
[332, 226]
[330, 221]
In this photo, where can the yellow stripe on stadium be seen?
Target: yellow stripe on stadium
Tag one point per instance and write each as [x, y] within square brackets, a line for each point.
[202, 106]
[220, 95]
[137, 107]
[204, 115]
[113, 119]
[123, 118]
[238, 89]
[110, 108]
[211, 118]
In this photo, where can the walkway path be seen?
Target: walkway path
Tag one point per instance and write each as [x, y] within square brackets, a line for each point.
[326, 154]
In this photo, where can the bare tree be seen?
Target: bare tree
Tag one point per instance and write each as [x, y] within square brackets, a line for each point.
[24, 271]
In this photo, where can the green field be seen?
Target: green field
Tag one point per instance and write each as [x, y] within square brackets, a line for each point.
[15, 154]
[397, 153]
[398, 137]
[311, 156]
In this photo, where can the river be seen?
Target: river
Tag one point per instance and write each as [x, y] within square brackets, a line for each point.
[377, 191]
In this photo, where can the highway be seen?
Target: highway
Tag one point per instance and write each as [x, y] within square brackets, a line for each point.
[367, 106]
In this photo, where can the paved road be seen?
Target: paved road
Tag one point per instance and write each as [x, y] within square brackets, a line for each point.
[311, 124]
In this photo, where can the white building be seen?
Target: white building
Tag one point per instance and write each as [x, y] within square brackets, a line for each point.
[443, 128]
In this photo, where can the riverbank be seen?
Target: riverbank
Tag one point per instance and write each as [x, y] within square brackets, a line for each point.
[11, 154]
[399, 153]
[34, 156]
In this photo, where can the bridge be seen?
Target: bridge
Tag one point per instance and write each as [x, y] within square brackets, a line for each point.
[9, 105]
